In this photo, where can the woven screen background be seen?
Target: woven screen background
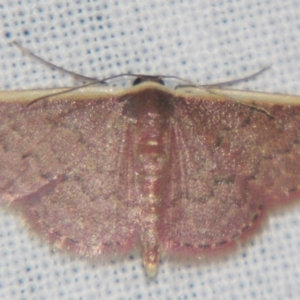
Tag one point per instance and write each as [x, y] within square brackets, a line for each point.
[203, 41]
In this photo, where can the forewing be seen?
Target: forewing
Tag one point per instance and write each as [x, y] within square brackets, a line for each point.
[229, 161]
[65, 164]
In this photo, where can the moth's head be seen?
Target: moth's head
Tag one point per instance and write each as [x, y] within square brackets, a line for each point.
[146, 78]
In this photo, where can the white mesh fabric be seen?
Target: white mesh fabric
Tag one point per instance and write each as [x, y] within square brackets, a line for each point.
[204, 41]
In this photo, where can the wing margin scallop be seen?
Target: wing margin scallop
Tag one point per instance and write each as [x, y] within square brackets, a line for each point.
[64, 164]
[224, 154]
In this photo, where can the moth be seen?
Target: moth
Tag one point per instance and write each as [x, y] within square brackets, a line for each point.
[184, 172]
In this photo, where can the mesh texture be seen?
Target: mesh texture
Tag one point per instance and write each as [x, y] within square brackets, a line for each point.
[204, 41]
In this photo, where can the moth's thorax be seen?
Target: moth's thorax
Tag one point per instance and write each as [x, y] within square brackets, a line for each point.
[151, 152]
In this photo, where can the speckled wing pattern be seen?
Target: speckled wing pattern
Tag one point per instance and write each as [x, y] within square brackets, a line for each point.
[69, 166]
[230, 161]
[66, 165]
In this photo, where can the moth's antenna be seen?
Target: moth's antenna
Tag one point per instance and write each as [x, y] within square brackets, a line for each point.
[234, 81]
[93, 81]
[49, 64]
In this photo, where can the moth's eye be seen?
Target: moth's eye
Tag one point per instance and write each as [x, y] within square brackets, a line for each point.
[160, 81]
[137, 81]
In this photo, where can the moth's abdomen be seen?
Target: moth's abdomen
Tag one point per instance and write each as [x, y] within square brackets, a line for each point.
[152, 156]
